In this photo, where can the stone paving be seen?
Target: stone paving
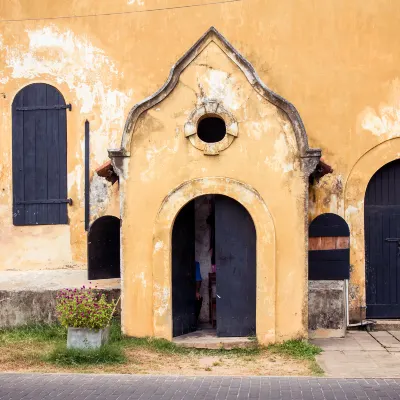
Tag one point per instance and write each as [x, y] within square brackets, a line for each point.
[208, 339]
[131, 387]
[361, 355]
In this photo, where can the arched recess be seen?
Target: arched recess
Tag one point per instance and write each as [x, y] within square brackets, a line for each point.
[234, 250]
[328, 250]
[104, 248]
[354, 195]
[265, 257]
[39, 156]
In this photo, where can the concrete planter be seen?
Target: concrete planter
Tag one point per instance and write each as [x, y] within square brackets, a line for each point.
[85, 338]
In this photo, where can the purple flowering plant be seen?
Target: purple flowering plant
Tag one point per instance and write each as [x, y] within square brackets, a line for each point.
[84, 308]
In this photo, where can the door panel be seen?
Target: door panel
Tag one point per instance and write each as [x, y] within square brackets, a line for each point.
[183, 272]
[235, 239]
[382, 243]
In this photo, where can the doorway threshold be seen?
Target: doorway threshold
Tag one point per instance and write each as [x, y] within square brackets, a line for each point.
[208, 339]
[386, 325]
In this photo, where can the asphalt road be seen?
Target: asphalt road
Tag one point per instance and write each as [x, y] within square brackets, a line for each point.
[124, 387]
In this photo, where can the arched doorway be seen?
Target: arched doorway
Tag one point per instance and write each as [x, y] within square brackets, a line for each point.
[231, 264]
[382, 242]
[104, 248]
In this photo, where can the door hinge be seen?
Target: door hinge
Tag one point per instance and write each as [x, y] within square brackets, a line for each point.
[49, 201]
[56, 107]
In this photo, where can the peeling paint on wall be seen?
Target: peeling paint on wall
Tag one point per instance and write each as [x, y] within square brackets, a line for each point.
[327, 196]
[162, 295]
[89, 79]
[87, 71]
[99, 196]
[385, 120]
[352, 217]
[221, 86]
[158, 246]
[281, 160]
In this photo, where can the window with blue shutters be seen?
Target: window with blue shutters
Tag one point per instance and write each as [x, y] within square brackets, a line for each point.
[39, 156]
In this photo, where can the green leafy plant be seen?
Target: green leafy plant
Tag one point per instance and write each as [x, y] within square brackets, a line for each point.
[84, 308]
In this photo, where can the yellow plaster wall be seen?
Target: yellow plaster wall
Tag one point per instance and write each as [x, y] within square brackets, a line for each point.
[263, 159]
[337, 61]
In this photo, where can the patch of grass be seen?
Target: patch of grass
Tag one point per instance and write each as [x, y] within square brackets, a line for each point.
[107, 354]
[316, 369]
[158, 345]
[43, 347]
[299, 349]
[167, 347]
[216, 364]
[249, 352]
[29, 333]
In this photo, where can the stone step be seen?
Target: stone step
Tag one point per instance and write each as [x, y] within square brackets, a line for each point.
[387, 325]
[207, 339]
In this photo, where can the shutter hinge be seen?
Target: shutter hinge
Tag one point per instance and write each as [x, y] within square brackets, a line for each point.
[48, 201]
[56, 107]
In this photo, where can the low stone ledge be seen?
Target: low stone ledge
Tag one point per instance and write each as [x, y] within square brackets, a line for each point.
[32, 307]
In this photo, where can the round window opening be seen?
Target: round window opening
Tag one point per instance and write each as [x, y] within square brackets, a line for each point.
[211, 129]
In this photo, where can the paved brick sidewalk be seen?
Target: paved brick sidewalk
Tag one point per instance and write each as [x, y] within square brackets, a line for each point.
[361, 355]
[124, 387]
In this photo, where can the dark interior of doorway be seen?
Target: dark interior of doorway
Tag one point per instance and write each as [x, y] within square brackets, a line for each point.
[216, 276]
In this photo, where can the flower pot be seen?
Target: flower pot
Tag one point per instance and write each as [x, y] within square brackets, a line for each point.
[86, 338]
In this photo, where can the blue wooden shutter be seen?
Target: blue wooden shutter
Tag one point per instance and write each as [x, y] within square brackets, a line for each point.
[39, 156]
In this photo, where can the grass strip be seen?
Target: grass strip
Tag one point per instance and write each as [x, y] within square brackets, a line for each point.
[107, 354]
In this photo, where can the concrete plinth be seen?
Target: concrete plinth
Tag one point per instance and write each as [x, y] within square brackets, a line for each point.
[84, 338]
[326, 309]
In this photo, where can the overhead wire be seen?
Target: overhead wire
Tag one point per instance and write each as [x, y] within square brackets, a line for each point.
[123, 12]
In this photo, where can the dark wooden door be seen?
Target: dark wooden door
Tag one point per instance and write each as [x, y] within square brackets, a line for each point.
[183, 272]
[104, 248]
[39, 156]
[235, 257]
[382, 243]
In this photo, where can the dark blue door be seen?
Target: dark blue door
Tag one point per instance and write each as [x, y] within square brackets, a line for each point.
[382, 242]
[104, 248]
[39, 156]
[183, 272]
[235, 257]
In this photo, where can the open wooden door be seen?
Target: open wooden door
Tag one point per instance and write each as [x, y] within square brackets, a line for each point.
[183, 272]
[235, 239]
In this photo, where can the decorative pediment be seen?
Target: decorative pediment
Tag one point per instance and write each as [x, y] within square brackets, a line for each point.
[309, 157]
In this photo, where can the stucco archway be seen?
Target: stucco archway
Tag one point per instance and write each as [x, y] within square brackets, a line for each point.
[355, 189]
[265, 231]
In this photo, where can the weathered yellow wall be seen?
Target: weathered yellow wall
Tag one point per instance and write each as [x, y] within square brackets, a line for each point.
[337, 61]
[262, 166]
